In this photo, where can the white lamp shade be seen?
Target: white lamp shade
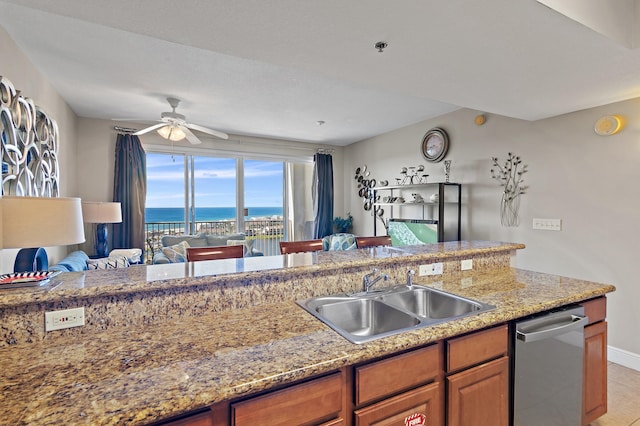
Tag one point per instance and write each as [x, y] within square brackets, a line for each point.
[41, 222]
[101, 212]
[172, 132]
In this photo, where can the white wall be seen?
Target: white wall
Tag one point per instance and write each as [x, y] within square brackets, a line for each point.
[26, 78]
[588, 181]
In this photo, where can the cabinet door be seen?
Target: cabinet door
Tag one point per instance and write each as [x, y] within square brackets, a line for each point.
[479, 396]
[595, 372]
[421, 406]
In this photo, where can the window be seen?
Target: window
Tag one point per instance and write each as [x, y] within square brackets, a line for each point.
[191, 194]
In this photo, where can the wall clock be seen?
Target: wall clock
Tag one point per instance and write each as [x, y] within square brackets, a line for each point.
[435, 144]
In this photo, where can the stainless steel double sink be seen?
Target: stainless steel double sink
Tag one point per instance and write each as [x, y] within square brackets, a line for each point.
[367, 316]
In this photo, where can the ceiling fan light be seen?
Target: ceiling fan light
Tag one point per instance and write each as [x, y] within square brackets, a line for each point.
[173, 133]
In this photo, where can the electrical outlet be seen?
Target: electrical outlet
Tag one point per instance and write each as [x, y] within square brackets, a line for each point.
[431, 269]
[466, 264]
[67, 318]
[547, 224]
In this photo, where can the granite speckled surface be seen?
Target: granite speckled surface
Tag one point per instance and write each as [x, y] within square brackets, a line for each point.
[136, 374]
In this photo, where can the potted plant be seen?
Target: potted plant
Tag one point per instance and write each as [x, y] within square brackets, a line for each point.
[343, 224]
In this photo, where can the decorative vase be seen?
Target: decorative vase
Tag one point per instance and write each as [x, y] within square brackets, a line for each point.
[447, 170]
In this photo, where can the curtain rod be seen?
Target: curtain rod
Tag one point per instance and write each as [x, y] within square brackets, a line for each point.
[125, 129]
[325, 151]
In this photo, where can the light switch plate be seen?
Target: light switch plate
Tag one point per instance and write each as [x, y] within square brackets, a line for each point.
[547, 224]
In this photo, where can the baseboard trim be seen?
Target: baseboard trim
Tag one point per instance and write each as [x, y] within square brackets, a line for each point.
[624, 358]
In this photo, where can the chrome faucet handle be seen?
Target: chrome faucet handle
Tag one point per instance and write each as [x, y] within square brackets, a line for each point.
[410, 274]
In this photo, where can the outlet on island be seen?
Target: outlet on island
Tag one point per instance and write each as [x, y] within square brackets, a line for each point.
[66, 318]
[431, 269]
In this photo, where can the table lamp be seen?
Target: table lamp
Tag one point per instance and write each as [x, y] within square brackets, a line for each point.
[101, 213]
[30, 223]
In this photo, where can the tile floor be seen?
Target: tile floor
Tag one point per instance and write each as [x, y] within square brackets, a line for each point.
[623, 398]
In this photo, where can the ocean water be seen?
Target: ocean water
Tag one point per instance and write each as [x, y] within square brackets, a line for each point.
[206, 214]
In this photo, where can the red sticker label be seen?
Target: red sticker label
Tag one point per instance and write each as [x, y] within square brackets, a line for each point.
[416, 419]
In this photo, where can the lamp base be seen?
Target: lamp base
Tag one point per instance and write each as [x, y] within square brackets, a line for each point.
[102, 242]
[31, 259]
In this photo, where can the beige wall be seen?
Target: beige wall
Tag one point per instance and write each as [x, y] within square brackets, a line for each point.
[26, 78]
[588, 181]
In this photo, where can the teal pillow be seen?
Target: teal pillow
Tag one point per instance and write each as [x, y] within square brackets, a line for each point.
[341, 241]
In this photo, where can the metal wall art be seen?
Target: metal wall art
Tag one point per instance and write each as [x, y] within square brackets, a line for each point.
[509, 176]
[412, 175]
[29, 146]
[366, 191]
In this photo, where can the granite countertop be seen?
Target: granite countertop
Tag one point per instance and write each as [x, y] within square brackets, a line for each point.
[135, 375]
[180, 275]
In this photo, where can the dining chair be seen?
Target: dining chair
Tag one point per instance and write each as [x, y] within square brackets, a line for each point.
[195, 254]
[362, 242]
[287, 247]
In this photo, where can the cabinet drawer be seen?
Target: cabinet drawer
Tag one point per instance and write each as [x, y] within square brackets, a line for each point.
[423, 403]
[398, 373]
[595, 309]
[311, 402]
[466, 351]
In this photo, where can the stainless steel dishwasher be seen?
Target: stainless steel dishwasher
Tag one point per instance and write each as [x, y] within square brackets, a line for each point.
[548, 368]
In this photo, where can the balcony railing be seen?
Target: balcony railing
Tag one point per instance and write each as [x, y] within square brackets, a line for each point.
[266, 233]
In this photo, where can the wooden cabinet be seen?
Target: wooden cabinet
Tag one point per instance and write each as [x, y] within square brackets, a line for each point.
[402, 389]
[421, 406]
[480, 395]
[393, 375]
[204, 418]
[594, 400]
[315, 402]
[478, 388]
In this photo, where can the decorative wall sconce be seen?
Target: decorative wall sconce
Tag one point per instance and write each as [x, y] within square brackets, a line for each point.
[609, 125]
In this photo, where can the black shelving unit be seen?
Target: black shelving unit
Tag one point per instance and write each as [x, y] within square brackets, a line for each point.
[445, 199]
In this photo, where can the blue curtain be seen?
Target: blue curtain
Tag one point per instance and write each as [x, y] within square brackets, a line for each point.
[130, 189]
[322, 195]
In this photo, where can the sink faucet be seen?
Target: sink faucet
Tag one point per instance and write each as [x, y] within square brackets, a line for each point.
[410, 274]
[368, 282]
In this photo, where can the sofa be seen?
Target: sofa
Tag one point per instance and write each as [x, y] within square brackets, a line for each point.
[79, 261]
[74, 262]
[174, 246]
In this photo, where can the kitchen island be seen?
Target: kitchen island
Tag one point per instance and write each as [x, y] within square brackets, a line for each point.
[169, 339]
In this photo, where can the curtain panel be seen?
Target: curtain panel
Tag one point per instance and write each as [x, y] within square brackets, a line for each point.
[322, 195]
[130, 189]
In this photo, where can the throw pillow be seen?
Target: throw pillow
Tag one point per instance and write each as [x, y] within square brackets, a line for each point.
[133, 255]
[108, 263]
[248, 245]
[177, 253]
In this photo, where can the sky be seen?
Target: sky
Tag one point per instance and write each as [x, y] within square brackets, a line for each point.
[215, 182]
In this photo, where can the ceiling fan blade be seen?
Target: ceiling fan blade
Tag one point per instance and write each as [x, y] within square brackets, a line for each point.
[149, 129]
[212, 132]
[190, 136]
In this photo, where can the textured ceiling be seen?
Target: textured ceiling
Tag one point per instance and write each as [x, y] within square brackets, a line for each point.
[274, 68]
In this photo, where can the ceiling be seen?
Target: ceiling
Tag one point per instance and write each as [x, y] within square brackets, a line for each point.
[275, 68]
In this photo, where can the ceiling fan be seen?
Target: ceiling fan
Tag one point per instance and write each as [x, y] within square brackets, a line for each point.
[174, 126]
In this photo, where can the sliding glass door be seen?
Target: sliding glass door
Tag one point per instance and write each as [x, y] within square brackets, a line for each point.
[191, 194]
[263, 204]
